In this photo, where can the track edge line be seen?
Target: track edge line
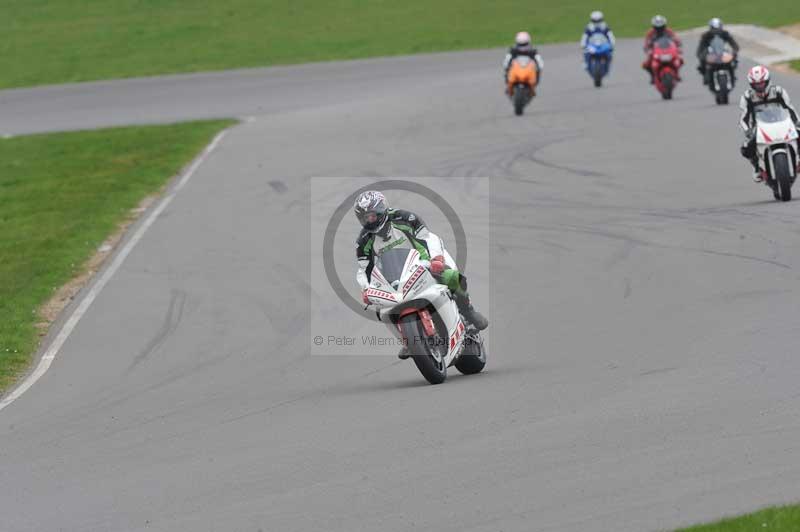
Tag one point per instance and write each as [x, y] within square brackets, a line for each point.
[51, 351]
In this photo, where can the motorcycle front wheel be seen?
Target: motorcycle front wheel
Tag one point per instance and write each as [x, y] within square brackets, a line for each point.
[668, 84]
[783, 177]
[427, 352]
[722, 82]
[597, 72]
[520, 98]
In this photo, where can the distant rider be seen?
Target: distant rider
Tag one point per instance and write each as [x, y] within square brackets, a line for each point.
[760, 93]
[385, 228]
[522, 46]
[659, 29]
[715, 29]
[596, 25]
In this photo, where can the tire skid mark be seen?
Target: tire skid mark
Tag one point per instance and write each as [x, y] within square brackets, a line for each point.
[50, 353]
[260, 411]
[171, 322]
[278, 186]
[645, 243]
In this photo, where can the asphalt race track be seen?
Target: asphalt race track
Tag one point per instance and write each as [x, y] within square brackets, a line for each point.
[644, 369]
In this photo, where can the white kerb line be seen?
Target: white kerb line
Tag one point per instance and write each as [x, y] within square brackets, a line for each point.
[91, 295]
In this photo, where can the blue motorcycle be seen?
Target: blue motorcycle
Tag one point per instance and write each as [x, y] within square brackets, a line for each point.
[598, 57]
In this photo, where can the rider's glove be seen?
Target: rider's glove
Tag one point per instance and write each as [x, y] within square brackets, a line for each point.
[437, 264]
[364, 297]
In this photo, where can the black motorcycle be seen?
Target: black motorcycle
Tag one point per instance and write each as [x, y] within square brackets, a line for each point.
[720, 69]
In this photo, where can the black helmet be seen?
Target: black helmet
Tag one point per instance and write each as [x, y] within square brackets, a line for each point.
[371, 210]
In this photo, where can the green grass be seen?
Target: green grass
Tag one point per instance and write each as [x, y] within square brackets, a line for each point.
[49, 41]
[62, 195]
[778, 519]
[795, 65]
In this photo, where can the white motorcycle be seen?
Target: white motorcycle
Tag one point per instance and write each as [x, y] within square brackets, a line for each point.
[777, 145]
[423, 315]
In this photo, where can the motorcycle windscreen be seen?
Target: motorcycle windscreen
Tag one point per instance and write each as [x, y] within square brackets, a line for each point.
[598, 40]
[719, 46]
[717, 50]
[391, 263]
[771, 113]
[664, 43]
[523, 60]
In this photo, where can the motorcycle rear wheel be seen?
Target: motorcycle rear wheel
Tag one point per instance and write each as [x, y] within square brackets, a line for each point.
[473, 359]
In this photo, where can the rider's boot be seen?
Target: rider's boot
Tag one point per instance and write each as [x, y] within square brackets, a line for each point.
[758, 177]
[404, 353]
[706, 75]
[466, 309]
[649, 71]
[702, 72]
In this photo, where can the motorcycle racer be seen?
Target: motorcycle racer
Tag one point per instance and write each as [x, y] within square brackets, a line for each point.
[383, 228]
[596, 24]
[715, 29]
[522, 46]
[760, 93]
[659, 29]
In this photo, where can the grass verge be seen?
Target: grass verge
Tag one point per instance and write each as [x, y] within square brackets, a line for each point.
[777, 519]
[795, 65]
[62, 195]
[51, 41]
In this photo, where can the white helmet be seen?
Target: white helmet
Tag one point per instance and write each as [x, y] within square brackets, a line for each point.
[758, 77]
[523, 38]
[596, 17]
[659, 21]
[715, 24]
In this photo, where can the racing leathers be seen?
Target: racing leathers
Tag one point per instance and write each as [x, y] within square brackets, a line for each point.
[591, 29]
[705, 41]
[406, 230]
[750, 100]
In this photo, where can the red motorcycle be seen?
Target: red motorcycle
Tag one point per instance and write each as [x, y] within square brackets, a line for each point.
[665, 62]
